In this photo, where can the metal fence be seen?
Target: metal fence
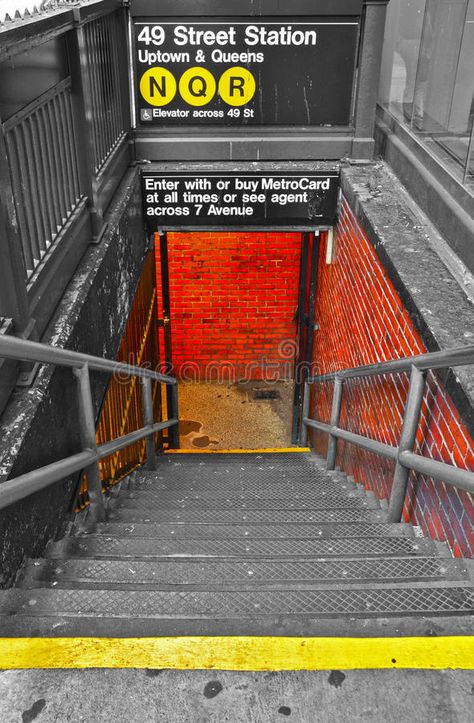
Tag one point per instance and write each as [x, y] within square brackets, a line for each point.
[121, 410]
[24, 9]
[43, 161]
[63, 152]
[104, 61]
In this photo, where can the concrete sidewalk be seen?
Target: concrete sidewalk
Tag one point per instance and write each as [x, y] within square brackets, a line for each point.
[229, 416]
[139, 696]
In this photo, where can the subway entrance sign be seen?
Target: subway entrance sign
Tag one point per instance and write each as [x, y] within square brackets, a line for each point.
[241, 71]
[190, 199]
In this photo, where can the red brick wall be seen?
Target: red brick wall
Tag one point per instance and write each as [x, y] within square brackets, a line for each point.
[233, 302]
[362, 320]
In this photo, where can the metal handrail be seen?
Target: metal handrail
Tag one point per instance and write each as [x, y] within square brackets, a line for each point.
[403, 454]
[13, 348]
[18, 488]
[462, 356]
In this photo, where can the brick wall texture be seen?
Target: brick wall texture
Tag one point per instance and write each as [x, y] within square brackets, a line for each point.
[233, 298]
[362, 320]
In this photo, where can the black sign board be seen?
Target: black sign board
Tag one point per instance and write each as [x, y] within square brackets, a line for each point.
[253, 199]
[240, 71]
[249, 8]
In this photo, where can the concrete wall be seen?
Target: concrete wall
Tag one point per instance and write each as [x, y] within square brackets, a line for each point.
[39, 424]
[440, 194]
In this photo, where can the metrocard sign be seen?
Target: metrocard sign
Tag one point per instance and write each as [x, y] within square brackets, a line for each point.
[175, 199]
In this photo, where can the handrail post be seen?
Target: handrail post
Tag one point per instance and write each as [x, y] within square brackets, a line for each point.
[305, 414]
[407, 443]
[173, 432]
[148, 420]
[335, 416]
[87, 427]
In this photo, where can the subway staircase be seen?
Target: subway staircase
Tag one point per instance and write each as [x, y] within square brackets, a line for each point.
[241, 544]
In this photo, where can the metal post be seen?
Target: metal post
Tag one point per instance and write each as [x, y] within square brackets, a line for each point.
[301, 324]
[147, 406]
[87, 426]
[313, 288]
[368, 77]
[173, 432]
[305, 414]
[335, 416]
[407, 443]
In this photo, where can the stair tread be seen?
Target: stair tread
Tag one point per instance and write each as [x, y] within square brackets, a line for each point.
[216, 488]
[271, 625]
[227, 478]
[139, 573]
[240, 544]
[176, 515]
[126, 547]
[245, 530]
[185, 500]
[242, 457]
[363, 602]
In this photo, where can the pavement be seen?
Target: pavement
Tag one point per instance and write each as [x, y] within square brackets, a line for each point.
[228, 416]
[139, 696]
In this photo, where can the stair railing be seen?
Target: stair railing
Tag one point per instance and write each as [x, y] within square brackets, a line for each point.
[16, 489]
[403, 455]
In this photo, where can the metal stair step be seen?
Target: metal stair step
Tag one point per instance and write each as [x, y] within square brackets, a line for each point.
[103, 546]
[240, 544]
[218, 486]
[283, 531]
[253, 459]
[197, 500]
[247, 471]
[234, 475]
[153, 604]
[139, 574]
[176, 515]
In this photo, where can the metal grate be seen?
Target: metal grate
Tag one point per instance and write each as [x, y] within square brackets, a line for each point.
[141, 573]
[323, 603]
[312, 498]
[230, 516]
[230, 479]
[282, 531]
[265, 394]
[44, 167]
[104, 546]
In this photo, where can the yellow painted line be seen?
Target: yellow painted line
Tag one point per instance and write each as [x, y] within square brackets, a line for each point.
[240, 653]
[270, 450]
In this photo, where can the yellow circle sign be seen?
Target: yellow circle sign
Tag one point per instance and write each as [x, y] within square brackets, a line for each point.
[158, 86]
[197, 86]
[237, 86]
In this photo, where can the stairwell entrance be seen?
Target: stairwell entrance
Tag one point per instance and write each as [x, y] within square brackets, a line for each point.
[236, 310]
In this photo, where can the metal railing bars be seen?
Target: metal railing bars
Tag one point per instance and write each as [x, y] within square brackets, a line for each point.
[14, 490]
[102, 37]
[21, 350]
[44, 168]
[371, 445]
[403, 454]
[462, 356]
